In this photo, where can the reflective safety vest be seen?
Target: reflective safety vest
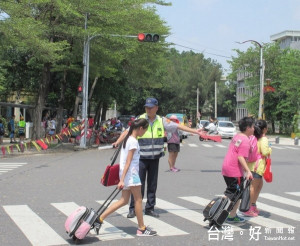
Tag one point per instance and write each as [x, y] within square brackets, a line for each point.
[152, 142]
[22, 125]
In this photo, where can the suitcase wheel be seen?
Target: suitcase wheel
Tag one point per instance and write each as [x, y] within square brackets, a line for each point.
[76, 240]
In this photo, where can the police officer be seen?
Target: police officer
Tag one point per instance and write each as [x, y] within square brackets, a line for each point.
[151, 149]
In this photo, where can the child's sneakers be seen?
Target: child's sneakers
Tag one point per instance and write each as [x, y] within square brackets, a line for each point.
[235, 219]
[146, 232]
[174, 170]
[256, 210]
[251, 212]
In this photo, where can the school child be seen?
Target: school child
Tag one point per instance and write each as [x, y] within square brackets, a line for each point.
[130, 182]
[235, 164]
[257, 164]
[173, 139]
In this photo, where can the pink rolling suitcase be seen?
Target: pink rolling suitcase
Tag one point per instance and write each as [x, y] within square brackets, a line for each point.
[81, 221]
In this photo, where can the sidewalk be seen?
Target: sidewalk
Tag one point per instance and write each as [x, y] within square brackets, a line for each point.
[54, 146]
[282, 141]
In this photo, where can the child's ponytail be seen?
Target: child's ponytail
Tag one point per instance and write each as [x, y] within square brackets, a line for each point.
[135, 125]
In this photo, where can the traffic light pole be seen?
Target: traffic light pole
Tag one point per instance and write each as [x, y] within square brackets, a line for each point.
[86, 66]
[85, 85]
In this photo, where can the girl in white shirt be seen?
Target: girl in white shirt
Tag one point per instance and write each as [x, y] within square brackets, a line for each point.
[130, 182]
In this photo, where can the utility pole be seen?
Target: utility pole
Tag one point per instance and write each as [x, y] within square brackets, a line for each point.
[216, 100]
[261, 79]
[197, 113]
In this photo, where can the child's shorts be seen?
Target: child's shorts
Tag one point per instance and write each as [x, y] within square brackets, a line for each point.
[233, 185]
[173, 147]
[256, 175]
[132, 180]
[128, 187]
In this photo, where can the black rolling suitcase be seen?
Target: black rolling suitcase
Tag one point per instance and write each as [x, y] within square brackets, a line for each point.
[217, 211]
[82, 220]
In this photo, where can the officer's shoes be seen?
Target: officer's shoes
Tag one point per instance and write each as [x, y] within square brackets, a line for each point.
[151, 213]
[131, 214]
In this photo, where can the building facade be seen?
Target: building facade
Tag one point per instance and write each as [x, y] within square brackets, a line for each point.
[287, 39]
[242, 93]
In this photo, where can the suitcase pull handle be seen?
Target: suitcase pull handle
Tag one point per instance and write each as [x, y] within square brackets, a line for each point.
[104, 206]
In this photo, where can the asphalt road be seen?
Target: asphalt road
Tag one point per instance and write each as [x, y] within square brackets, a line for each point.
[39, 192]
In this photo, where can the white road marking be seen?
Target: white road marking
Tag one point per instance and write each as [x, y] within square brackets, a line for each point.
[162, 228]
[207, 145]
[293, 193]
[13, 163]
[181, 211]
[8, 166]
[280, 199]
[192, 145]
[33, 227]
[279, 211]
[107, 231]
[288, 147]
[185, 213]
[220, 145]
[265, 222]
[276, 147]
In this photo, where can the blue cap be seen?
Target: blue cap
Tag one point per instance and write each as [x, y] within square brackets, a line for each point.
[151, 102]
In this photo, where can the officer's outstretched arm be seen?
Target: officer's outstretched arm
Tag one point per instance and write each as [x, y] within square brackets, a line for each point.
[120, 139]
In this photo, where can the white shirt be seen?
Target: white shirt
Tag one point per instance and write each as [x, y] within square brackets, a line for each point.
[132, 177]
[211, 127]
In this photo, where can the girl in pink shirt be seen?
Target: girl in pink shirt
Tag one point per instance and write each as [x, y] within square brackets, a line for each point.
[235, 163]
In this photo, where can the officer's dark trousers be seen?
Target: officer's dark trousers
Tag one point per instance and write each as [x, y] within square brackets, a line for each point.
[149, 170]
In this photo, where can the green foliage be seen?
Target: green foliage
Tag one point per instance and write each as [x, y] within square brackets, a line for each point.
[40, 32]
[282, 67]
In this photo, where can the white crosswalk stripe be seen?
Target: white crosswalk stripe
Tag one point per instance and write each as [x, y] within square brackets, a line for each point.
[278, 211]
[221, 146]
[262, 221]
[185, 213]
[293, 193]
[280, 199]
[288, 147]
[277, 147]
[38, 232]
[162, 228]
[33, 227]
[207, 145]
[108, 231]
[8, 166]
[192, 145]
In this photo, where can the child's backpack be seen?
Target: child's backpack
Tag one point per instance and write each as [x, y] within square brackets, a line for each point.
[253, 154]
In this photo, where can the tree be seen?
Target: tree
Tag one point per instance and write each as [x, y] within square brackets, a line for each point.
[281, 67]
[52, 32]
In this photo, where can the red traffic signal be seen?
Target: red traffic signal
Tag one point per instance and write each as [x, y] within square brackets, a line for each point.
[148, 37]
[141, 37]
[79, 88]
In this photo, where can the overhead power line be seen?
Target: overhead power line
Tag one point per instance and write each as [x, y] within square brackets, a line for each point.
[203, 51]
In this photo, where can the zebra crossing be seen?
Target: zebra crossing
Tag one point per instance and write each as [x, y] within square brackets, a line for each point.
[9, 166]
[39, 232]
[225, 145]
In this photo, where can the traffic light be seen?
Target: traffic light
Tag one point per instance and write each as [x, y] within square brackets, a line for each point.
[148, 37]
